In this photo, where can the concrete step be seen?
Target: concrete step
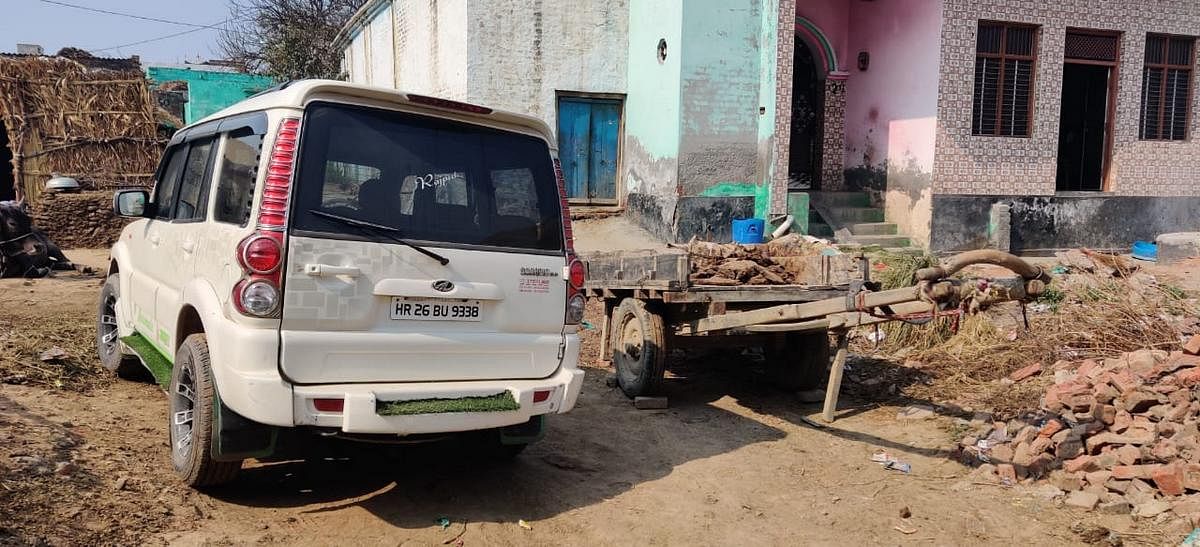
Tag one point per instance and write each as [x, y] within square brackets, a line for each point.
[873, 229]
[882, 241]
[856, 215]
[841, 199]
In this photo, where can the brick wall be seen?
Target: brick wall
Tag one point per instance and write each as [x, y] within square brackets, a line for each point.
[967, 164]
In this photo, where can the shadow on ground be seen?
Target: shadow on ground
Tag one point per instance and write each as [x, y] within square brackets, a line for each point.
[699, 379]
[411, 486]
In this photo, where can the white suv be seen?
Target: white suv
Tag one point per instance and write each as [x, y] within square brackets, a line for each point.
[362, 262]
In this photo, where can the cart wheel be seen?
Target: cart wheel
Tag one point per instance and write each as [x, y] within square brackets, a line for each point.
[639, 352]
[798, 361]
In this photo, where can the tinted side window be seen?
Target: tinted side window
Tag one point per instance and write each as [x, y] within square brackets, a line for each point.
[168, 182]
[193, 189]
[239, 170]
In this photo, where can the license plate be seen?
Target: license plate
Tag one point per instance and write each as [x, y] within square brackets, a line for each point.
[433, 309]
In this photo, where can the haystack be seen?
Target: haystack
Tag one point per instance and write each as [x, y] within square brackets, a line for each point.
[97, 126]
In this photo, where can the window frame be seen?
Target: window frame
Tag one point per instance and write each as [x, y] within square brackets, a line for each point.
[1165, 66]
[163, 167]
[205, 182]
[1002, 56]
[225, 137]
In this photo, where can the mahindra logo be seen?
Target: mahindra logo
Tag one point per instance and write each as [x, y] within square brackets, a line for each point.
[443, 285]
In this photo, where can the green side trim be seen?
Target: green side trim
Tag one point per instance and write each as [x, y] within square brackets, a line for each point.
[144, 321]
[500, 402]
[154, 361]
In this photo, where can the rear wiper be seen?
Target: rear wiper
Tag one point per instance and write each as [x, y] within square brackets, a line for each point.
[386, 231]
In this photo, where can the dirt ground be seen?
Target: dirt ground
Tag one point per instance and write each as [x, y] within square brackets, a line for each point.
[83, 460]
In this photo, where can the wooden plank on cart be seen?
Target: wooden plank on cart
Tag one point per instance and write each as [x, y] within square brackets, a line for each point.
[664, 269]
[755, 293]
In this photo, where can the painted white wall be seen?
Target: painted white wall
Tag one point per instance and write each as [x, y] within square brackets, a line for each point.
[358, 59]
[430, 47]
[509, 54]
[523, 51]
[382, 49]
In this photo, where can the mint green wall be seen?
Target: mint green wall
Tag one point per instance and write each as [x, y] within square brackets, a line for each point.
[209, 92]
[720, 93]
[652, 107]
[650, 156]
[768, 47]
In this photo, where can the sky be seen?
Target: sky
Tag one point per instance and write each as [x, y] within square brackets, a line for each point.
[55, 26]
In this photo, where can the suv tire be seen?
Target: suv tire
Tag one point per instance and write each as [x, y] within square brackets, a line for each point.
[796, 362]
[190, 425]
[639, 348]
[108, 342]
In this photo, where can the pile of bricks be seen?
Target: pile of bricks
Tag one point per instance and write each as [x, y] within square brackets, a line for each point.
[1119, 436]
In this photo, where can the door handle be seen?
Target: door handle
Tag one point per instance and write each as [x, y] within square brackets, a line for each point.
[153, 239]
[327, 270]
[188, 246]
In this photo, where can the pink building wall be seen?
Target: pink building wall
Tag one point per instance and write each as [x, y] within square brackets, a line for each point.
[891, 107]
[889, 115]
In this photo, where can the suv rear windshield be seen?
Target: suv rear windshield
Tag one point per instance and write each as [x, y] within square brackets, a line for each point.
[433, 180]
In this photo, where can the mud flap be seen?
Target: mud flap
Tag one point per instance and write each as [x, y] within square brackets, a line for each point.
[526, 433]
[236, 437]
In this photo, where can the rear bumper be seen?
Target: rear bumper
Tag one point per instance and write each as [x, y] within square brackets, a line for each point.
[359, 411]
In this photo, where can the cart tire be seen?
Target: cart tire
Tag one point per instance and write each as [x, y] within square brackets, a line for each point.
[798, 361]
[638, 348]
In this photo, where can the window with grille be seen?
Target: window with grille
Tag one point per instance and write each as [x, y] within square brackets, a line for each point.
[1004, 64]
[1166, 88]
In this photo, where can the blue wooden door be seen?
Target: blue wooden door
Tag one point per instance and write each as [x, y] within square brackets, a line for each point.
[574, 144]
[602, 164]
[588, 139]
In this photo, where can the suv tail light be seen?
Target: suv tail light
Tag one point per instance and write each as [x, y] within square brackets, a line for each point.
[261, 254]
[576, 271]
[568, 232]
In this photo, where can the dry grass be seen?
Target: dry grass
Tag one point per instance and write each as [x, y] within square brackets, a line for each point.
[898, 271]
[26, 331]
[1083, 315]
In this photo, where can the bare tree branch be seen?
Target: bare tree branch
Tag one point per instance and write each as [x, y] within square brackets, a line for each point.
[286, 39]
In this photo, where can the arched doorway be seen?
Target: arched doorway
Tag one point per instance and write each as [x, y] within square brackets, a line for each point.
[808, 119]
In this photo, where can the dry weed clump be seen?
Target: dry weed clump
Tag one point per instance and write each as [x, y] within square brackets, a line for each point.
[1084, 314]
[54, 349]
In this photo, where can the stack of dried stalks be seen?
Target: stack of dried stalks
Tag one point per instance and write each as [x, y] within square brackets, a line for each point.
[97, 126]
[896, 270]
